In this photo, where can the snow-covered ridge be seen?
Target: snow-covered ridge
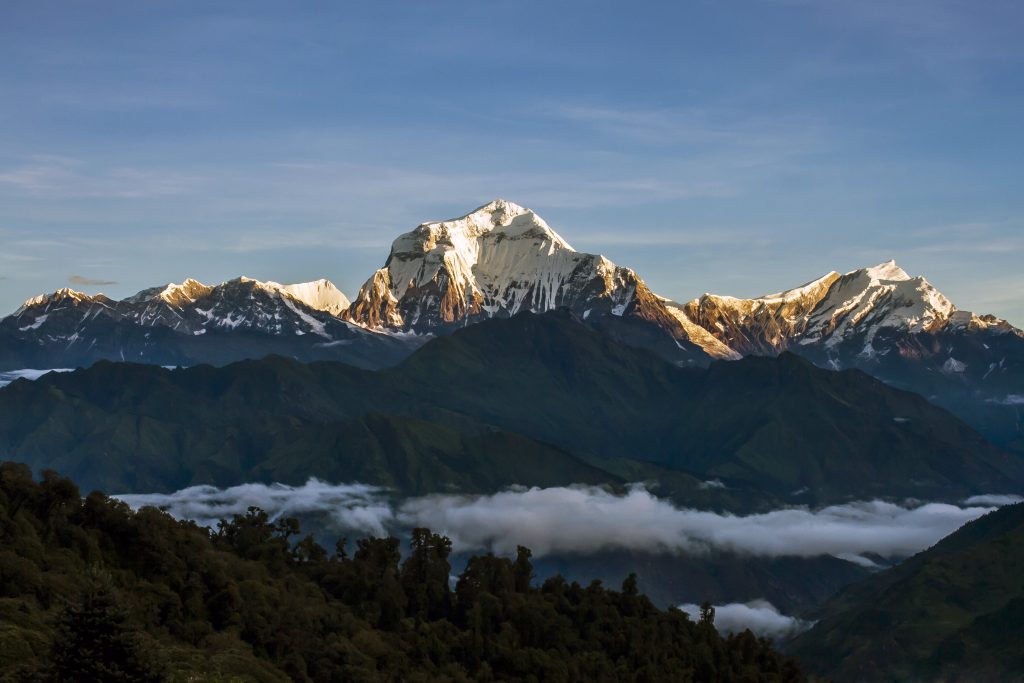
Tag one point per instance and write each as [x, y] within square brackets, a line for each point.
[194, 308]
[499, 260]
[852, 311]
[483, 253]
[884, 296]
[320, 295]
[62, 294]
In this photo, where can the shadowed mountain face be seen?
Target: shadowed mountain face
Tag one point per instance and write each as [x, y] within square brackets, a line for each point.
[529, 400]
[951, 613]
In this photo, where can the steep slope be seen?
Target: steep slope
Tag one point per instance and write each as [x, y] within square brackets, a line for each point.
[764, 325]
[502, 259]
[951, 613]
[774, 425]
[839, 312]
[895, 327]
[770, 429]
[191, 323]
[796, 427]
[269, 421]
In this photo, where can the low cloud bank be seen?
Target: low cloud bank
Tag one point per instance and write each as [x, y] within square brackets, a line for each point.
[586, 520]
[358, 507]
[995, 500]
[760, 616]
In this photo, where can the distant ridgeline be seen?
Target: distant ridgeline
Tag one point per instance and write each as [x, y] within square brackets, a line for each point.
[534, 400]
[93, 591]
[503, 259]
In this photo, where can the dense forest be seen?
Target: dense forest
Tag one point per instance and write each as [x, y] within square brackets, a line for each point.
[93, 591]
[954, 612]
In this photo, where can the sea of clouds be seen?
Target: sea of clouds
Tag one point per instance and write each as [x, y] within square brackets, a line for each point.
[585, 519]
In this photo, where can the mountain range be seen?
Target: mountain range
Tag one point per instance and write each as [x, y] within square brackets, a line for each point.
[502, 259]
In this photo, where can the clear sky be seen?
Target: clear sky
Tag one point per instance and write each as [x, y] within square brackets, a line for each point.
[727, 146]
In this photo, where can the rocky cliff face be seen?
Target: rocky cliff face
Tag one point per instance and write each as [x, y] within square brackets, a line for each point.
[502, 259]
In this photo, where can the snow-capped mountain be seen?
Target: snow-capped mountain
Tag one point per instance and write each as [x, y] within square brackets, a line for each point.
[858, 314]
[898, 328]
[168, 324]
[502, 259]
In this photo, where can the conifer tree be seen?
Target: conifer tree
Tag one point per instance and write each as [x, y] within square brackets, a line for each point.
[95, 642]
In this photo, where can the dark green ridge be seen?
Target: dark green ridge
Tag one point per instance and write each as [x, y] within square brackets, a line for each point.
[532, 400]
[954, 612]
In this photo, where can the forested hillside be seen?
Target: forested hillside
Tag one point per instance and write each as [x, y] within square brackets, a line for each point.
[91, 591]
[535, 400]
[954, 612]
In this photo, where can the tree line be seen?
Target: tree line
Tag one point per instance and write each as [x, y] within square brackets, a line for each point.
[93, 591]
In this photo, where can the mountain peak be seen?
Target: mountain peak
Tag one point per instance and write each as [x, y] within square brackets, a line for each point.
[887, 271]
[320, 294]
[62, 294]
[187, 292]
[497, 260]
[498, 206]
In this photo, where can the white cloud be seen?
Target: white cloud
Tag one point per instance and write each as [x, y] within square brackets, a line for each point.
[586, 520]
[354, 506]
[994, 499]
[760, 616]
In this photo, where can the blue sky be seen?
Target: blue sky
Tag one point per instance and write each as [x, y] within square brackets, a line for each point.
[729, 146]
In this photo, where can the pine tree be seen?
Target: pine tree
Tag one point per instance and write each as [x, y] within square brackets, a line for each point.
[95, 643]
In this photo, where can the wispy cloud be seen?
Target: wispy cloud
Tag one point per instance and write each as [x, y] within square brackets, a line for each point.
[760, 616]
[45, 176]
[355, 506]
[673, 236]
[727, 137]
[87, 281]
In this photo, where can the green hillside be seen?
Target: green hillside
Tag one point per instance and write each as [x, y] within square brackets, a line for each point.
[533, 400]
[952, 613]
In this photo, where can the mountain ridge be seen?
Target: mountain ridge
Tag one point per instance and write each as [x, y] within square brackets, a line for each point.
[767, 428]
[502, 259]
